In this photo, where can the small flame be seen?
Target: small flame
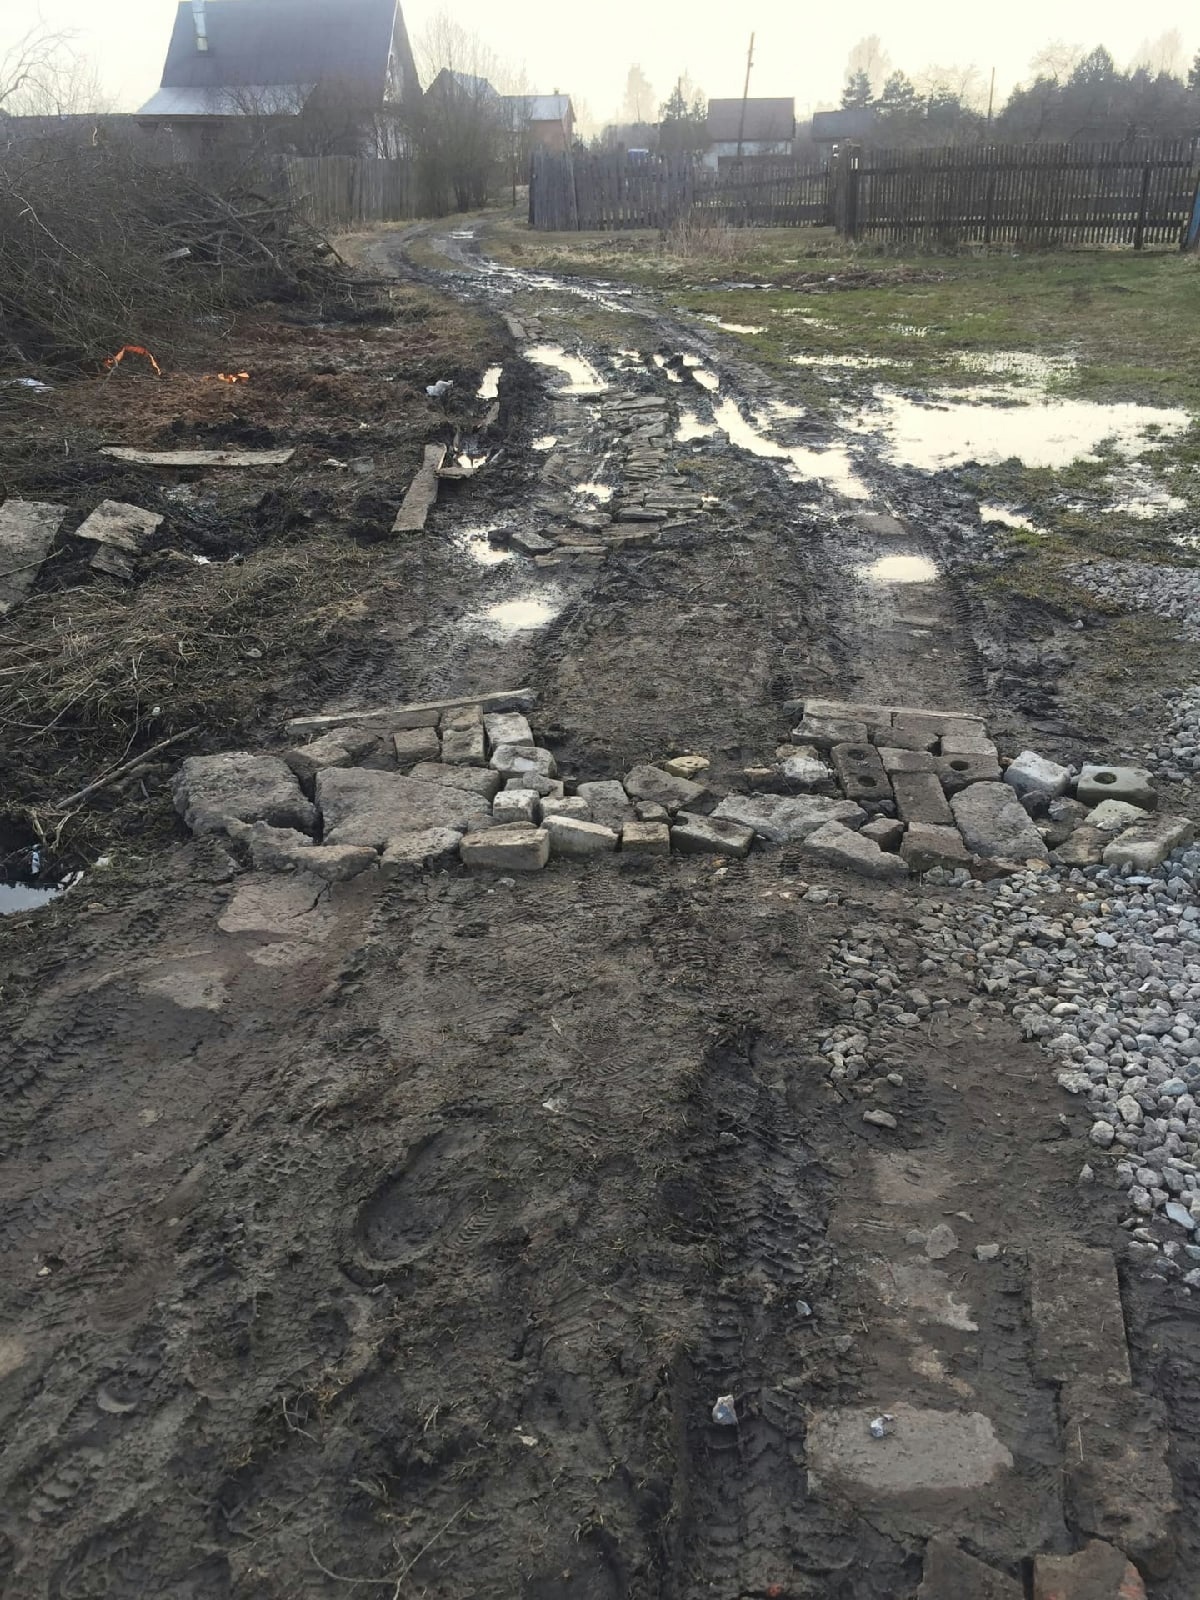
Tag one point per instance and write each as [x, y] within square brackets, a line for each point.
[233, 377]
[132, 350]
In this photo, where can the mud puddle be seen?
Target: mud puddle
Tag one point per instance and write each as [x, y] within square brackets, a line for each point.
[476, 543]
[831, 466]
[1008, 518]
[581, 377]
[899, 569]
[29, 895]
[508, 617]
[690, 427]
[993, 425]
[489, 387]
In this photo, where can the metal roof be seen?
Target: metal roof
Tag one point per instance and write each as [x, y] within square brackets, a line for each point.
[247, 100]
[258, 44]
[767, 121]
[546, 107]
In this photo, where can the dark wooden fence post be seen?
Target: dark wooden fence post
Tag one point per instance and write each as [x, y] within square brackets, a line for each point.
[1139, 235]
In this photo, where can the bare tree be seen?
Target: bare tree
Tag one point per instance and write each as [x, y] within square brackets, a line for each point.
[1057, 60]
[871, 59]
[43, 76]
[463, 127]
[639, 104]
[1163, 54]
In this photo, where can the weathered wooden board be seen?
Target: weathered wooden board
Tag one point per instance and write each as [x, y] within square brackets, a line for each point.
[27, 530]
[199, 458]
[422, 492]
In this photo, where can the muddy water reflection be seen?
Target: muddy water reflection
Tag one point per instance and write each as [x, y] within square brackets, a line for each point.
[582, 378]
[899, 569]
[831, 466]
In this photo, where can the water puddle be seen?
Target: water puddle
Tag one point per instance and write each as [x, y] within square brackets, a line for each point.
[601, 492]
[700, 374]
[1135, 494]
[582, 378]
[690, 427]
[517, 616]
[848, 362]
[16, 897]
[672, 376]
[475, 542]
[489, 388]
[990, 426]
[731, 327]
[899, 569]
[544, 441]
[831, 466]
[1007, 518]
[1023, 366]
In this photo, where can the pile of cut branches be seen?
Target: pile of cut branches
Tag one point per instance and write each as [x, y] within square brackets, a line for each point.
[100, 247]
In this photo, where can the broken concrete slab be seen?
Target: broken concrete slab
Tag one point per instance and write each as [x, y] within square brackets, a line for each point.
[27, 530]
[116, 523]
[1134, 785]
[861, 773]
[472, 780]
[1032, 774]
[513, 760]
[1114, 816]
[958, 772]
[508, 728]
[275, 906]
[693, 835]
[921, 799]
[574, 837]
[530, 544]
[928, 845]
[513, 847]
[1084, 847]
[373, 808]
[1148, 844]
[464, 747]
[566, 806]
[1117, 1482]
[912, 730]
[212, 791]
[287, 850]
[1097, 1572]
[951, 1574]
[652, 783]
[924, 1450]
[646, 839]
[1078, 1320]
[689, 767]
[422, 492]
[971, 741]
[840, 846]
[825, 732]
[338, 749]
[886, 832]
[199, 458]
[994, 823]
[113, 564]
[895, 761]
[410, 853]
[416, 714]
[802, 768]
[517, 805]
[782, 819]
[608, 803]
[458, 719]
[416, 744]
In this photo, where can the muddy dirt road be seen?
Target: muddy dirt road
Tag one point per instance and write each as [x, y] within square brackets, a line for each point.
[403, 1241]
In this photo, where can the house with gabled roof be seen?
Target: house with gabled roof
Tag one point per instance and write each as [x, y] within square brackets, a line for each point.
[337, 64]
[751, 129]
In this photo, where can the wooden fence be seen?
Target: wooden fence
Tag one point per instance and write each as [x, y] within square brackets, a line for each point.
[613, 191]
[1138, 194]
[1022, 194]
[347, 190]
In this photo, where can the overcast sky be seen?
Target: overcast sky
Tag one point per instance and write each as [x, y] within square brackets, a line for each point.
[587, 49]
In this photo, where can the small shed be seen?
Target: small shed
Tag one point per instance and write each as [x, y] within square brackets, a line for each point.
[752, 129]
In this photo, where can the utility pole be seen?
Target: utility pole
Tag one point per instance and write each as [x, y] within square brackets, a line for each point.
[745, 97]
[991, 97]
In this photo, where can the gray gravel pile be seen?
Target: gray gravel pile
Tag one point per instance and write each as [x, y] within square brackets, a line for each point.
[1177, 756]
[1141, 586]
[1103, 971]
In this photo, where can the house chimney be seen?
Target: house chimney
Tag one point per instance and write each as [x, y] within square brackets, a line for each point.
[200, 22]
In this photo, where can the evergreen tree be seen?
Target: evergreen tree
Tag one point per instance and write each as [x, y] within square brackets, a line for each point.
[1194, 75]
[857, 92]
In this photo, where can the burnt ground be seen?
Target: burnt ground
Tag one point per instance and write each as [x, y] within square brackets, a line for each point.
[408, 1249]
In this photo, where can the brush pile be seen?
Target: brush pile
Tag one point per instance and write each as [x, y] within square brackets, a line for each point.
[99, 244]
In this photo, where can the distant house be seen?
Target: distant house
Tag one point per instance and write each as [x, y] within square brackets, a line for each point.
[844, 127]
[753, 129]
[547, 119]
[333, 66]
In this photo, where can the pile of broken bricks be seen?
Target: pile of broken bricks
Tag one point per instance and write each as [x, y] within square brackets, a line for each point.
[884, 791]
[939, 794]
